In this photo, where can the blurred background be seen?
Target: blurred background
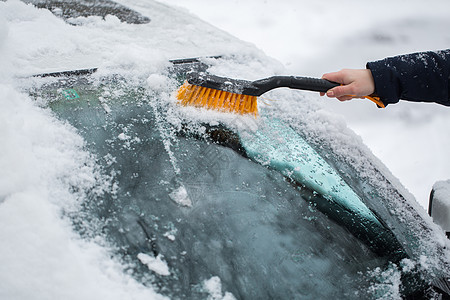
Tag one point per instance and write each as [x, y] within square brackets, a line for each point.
[311, 38]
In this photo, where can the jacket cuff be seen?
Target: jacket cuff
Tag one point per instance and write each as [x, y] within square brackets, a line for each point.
[386, 86]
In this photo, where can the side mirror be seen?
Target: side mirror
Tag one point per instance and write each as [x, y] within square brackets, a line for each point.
[439, 205]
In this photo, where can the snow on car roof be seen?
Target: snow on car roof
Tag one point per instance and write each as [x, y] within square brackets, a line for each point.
[69, 10]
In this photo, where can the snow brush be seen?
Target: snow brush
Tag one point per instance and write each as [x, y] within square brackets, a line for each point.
[239, 96]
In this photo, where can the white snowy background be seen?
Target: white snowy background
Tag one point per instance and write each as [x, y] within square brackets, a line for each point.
[315, 37]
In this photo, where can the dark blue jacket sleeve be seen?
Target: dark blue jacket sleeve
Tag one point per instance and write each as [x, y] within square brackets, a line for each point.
[419, 77]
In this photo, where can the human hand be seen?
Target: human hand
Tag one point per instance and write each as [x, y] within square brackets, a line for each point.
[356, 83]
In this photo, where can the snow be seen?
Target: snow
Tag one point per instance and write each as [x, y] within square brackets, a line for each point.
[181, 196]
[156, 81]
[155, 264]
[170, 236]
[214, 287]
[41, 257]
[389, 283]
[123, 136]
[42, 158]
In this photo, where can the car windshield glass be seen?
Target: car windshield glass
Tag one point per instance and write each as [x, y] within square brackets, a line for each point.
[187, 209]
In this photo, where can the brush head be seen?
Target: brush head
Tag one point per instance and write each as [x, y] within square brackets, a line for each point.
[236, 86]
[218, 93]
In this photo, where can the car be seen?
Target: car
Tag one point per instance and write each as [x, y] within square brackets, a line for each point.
[286, 205]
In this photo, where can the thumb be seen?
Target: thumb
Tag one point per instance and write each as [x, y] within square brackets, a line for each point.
[340, 91]
[334, 76]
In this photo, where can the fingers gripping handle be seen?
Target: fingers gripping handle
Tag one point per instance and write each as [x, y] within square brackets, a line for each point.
[323, 85]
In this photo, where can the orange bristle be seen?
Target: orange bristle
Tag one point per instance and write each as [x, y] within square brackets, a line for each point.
[198, 96]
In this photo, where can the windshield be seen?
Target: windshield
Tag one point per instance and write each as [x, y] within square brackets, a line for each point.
[187, 208]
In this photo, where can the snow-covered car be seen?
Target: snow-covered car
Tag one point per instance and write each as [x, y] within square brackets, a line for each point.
[191, 203]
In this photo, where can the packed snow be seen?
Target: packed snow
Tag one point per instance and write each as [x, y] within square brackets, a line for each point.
[214, 287]
[42, 158]
[181, 196]
[155, 264]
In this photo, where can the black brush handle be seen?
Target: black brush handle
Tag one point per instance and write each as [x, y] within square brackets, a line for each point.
[311, 84]
[293, 82]
[314, 84]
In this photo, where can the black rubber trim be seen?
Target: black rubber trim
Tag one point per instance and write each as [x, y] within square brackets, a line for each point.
[68, 73]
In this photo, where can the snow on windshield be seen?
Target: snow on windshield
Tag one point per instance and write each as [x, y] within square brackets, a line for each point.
[42, 158]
